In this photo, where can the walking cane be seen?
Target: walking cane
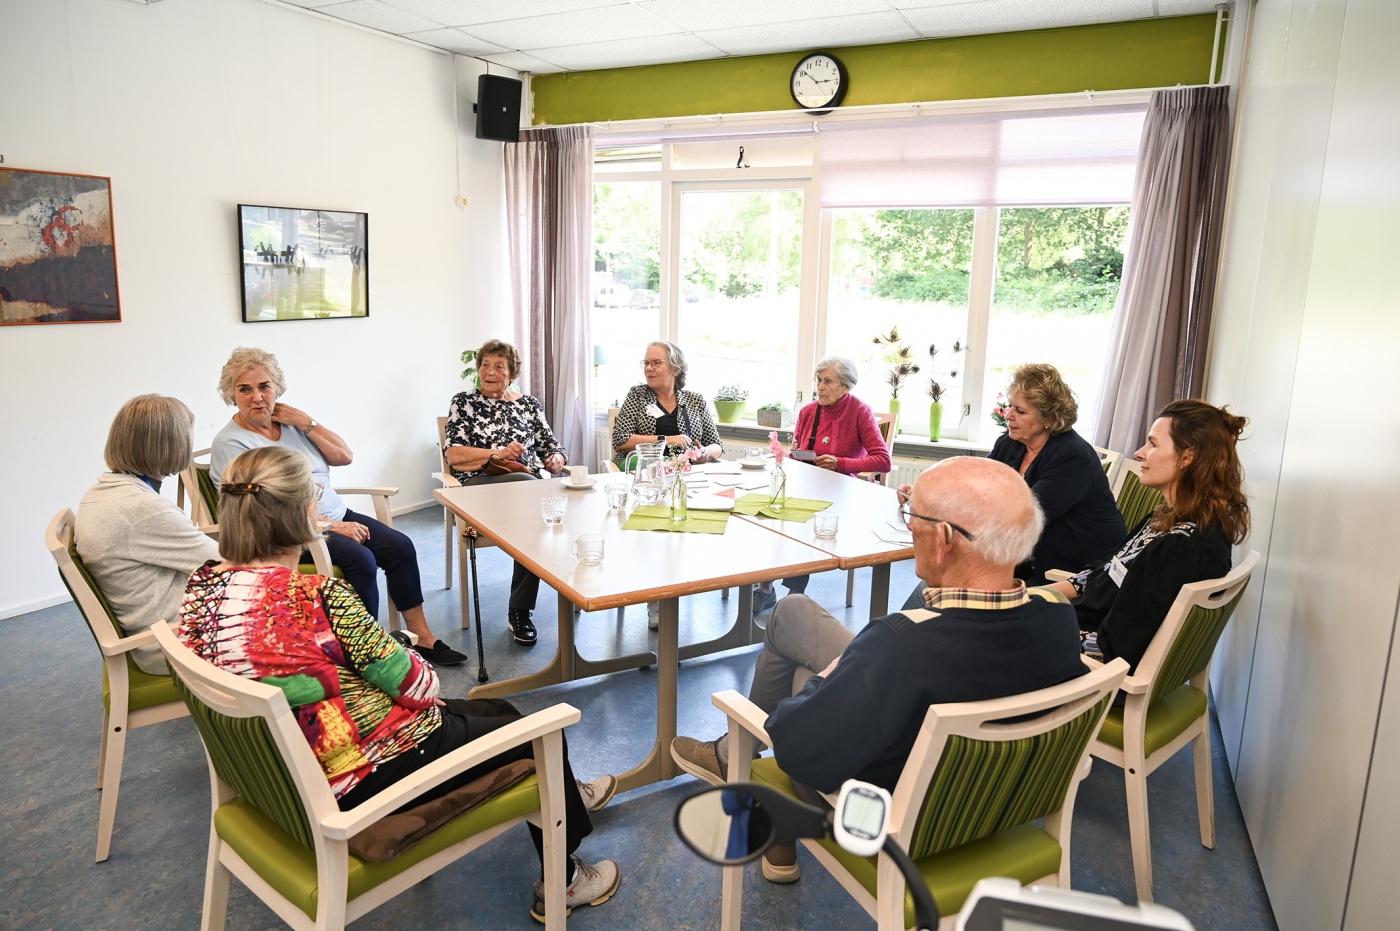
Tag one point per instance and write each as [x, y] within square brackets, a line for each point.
[476, 602]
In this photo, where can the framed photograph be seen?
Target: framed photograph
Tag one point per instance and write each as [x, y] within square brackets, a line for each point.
[58, 261]
[301, 264]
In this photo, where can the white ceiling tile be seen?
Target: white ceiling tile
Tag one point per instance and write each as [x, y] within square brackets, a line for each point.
[519, 61]
[600, 25]
[989, 16]
[378, 15]
[724, 14]
[454, 40]
[311, 4]
[834, 31]
[627, 53]
[472, 12]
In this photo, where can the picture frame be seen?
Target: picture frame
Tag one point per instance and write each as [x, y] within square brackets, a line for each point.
[58, 257]
[299, 263]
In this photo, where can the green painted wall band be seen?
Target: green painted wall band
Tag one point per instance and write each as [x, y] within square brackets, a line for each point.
[1110, 56]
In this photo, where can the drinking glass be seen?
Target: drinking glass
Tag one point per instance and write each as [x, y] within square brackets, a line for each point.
[588, 549]
[826, 525]
[552, 508]
[617, 496]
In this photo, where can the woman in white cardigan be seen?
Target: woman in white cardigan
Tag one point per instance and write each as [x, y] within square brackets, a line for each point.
[138, 546]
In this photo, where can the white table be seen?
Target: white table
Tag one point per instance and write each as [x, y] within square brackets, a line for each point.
[638, 567]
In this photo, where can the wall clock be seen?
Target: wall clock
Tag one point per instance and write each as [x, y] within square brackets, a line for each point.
[819, 82]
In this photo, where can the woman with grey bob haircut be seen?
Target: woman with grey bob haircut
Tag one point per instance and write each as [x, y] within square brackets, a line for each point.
[662, 410]
[138, 546]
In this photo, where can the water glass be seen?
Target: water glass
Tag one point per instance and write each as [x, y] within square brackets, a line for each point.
[588, 549]
[753, 452]
[825, 525]
[552, 508]
[617, 496]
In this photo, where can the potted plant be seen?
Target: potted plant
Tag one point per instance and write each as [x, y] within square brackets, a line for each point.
[775, 414]
[469, 372]
[902, 364]
[729, 402]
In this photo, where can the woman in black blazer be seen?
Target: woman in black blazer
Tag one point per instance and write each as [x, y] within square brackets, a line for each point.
[1082, 522]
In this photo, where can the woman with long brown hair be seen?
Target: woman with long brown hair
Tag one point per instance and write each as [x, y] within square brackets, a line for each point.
[1190, 457]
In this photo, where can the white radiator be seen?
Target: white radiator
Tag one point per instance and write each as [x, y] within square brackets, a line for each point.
[906, 470]
[602, 442]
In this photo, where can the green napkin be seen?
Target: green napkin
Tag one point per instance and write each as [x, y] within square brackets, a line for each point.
[799, 510]
[658, 517]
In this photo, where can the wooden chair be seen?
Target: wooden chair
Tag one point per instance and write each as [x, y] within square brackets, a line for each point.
[275, 823]
[967, 802]
[131, 698]
[1135, 500]
[1110, 461]
[203, 494]
[1167, 707]
[451, 522]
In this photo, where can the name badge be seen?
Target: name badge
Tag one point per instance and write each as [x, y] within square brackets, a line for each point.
[654, 410]
[1117, 571]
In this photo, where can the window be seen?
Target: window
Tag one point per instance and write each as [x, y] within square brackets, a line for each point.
[763, 259]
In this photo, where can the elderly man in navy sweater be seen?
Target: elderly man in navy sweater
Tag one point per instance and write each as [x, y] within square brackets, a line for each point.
[849, 706]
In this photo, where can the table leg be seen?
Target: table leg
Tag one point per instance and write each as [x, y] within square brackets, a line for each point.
[658, 764]
[743, 632]
[879, 590]
[566, 666]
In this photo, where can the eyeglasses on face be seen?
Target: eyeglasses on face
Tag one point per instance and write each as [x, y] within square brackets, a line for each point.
[653, 363]
[907, 514]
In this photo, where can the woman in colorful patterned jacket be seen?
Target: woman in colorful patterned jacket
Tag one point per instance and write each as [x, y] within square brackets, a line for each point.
[364, 702]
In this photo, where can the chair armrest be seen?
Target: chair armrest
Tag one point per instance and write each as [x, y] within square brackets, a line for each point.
[145, 638]
[743, 712]
[447, 479]
[1133, 685]
[381, 495]
[346, 824]
[1058, 575]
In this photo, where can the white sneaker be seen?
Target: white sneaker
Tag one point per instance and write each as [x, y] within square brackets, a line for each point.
[654, 614]
[593, 884]
[597, 792]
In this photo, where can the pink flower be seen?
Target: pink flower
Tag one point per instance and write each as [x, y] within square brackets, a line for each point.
[775, 445]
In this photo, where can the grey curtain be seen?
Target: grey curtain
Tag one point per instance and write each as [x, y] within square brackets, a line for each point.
[549, 221]
[1161, 325]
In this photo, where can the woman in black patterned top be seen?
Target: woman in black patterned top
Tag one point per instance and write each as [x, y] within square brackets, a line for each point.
[662, 409]
[497, 421]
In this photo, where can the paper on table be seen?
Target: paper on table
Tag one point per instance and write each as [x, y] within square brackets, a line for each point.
[724, 466]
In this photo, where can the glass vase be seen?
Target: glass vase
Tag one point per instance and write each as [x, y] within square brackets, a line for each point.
[777, 488]
[679, 511]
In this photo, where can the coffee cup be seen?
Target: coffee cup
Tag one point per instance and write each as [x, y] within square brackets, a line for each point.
[578, 475]
[588, 549]
[825, 525]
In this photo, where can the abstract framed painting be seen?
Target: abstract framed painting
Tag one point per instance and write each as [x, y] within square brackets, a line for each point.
[303, 264]
[58, 258]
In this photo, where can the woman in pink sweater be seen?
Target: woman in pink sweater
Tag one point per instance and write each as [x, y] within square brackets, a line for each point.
[841, 430]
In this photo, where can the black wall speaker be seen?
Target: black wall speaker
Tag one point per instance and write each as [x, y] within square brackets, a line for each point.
[498, 108]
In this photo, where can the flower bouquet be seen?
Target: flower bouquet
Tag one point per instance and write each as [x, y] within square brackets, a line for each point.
[673, 472]
[777, 484]
[1000, 410]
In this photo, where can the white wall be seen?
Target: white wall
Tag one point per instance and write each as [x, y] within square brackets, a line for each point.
[192, 108]
[1304, 343]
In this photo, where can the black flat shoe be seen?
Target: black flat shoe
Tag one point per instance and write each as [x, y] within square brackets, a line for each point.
[522, 628]
[440, 654]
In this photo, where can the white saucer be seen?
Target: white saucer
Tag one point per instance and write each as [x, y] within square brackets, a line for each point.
[753, 463]
[581, 485]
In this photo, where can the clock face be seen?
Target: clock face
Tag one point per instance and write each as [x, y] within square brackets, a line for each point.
[818, 82]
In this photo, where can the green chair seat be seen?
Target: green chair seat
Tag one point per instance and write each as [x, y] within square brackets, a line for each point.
[1167, 718]
[290, 867]
[1025, 853]
[144, 691]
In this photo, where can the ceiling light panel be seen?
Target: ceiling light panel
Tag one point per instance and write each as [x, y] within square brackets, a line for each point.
[599, 25]
[379, 16]
[623, 54]
[454, 40]
[723, 14]
[473, 12]
[834, 31]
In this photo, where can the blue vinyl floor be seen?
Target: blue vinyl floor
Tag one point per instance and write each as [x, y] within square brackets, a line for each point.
[50, 690]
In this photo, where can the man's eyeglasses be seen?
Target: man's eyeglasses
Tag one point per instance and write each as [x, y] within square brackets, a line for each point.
[907, 514]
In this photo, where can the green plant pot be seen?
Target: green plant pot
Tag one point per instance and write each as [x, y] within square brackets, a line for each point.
[894, 406]
[729, 411]
[935, 421]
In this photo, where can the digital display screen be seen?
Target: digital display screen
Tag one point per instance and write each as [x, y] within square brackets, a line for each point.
[863, 815]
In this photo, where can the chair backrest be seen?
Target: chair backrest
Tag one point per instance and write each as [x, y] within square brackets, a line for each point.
[888, 424]
[97, 612]
[1183, 646]
[197, 485]
[448, 476]
[255, 747]
[612, 423]
[1135, 500]
[1109, 460]
[984, 767]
